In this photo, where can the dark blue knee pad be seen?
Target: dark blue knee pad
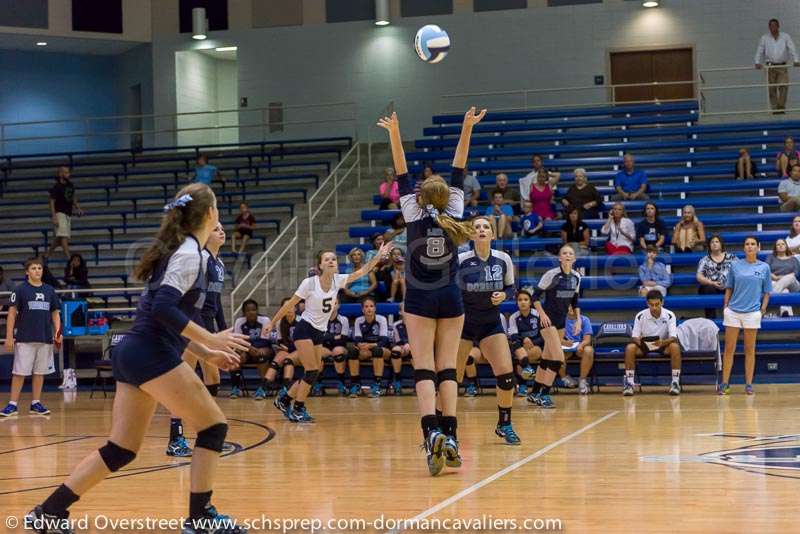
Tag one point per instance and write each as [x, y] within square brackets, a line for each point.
[275, 365]
[506, 381]
[212, 438]
[352, 353]
[309, 377]
[470, 361]
[339, 358]
[447, 374]
[553, 365]
[377, 353]
[397, 355]
[421, 375]
[115, 457]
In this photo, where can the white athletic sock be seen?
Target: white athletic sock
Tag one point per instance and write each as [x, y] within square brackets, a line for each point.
[12, 403]
[676, 375]
[35, 401]
[629, 374]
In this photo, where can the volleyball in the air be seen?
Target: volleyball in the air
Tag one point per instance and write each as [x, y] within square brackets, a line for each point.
[432, 43]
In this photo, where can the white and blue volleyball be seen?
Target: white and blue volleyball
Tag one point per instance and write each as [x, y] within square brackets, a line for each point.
[432, 43]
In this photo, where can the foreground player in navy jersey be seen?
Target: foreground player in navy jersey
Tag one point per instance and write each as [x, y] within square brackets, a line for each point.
[434, 312]
[559, 287]
[320, 293]
[33, 325]
[149, 371]
[486, 278]
[212, 317]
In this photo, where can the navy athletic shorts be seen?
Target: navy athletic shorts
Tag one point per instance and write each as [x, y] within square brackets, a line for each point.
[305, 330]
[137, 360]
[443, 303]
[477, 328]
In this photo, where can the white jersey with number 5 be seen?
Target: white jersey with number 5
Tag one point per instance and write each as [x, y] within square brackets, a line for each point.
[319, 303]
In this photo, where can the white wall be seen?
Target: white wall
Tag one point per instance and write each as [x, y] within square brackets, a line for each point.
[228, 98]
[535, 48]
[196, 89]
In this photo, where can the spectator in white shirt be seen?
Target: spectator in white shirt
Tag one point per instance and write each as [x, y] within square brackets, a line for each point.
[526, 182]
[789, 190]
[776, 50]
[620, 230]
[655, 330]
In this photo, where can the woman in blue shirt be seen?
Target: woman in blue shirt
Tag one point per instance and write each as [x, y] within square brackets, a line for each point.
[653, 274]
[747, 292]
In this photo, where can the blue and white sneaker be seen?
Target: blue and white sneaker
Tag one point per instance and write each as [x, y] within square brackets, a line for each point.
[283, 391]
[50, 524]
[179, 448]
[452, 456]
[522, 390]
[507, 433]
[37, 408]
[355, 391]
[434, 446]
[235, 392]
[300, 415]
[284, 405]
[470, 390]
[212, 522]
[260, 394]
[374, 391]
[527, 372]
[545, 401]
[9, 411]
[316, 390]
[398, 387]
[342, 389]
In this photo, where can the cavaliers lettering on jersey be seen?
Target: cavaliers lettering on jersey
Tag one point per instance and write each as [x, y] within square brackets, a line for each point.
[338, 331]
[559, 291]
[212, 308]
[433, 256]
[479, 278]
[253, 330]
[522, 326]
[376, 331]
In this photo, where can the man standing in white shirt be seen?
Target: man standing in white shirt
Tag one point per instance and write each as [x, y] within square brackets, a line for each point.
[776, 50]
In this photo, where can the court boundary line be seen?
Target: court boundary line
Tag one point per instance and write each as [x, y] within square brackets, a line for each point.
[508, 469]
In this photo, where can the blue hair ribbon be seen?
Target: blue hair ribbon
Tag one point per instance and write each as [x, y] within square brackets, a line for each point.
[178, 202]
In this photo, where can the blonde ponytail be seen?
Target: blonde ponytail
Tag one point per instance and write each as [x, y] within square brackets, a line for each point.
[458, 232]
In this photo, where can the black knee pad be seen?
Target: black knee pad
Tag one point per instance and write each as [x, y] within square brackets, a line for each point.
[212, 438]
[352, 354]
[377, 353]
[421, 375]
[397, 355]
[506, 381]
[115, 457]
[553, 365]
[470, 361]
[339, 358]
[213, 389]
[446, 374]
[275, 365]
[309, 377]
[327, 359]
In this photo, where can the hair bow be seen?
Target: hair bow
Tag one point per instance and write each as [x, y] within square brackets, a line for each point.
[178, 202]
[433, 212]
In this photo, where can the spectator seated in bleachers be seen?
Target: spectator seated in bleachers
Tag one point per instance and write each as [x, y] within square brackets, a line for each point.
[245, 225]
[526, 182]
[653, 274]
[383, 271]
[76, 275]
[390, 194]
[620, 231]
[204, 172]
[583, 196]
[525, 340]
[575, 232]
[655, 330]
[793, 238]
[397, 264]
[712, 271]
[471, 209]
[783, 159]
[784, 269]
[651, 230]
[789, 190]
[501, 215]
[745, 168]
[543, 190]
[580, 345]
[629, 183]
[689, 234]
[362, 287]
[397, 233]
[371, 337]
[510, 194]
[377, 241]
[530, 224]
[260, 352]
[472, 190]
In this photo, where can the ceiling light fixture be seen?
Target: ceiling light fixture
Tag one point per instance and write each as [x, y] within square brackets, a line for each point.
[382, 13]
[650, 3]
[227, 48]
[199, 23]
[41, 43]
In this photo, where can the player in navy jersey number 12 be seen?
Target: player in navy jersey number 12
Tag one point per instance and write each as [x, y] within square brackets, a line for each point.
[320, 294]
[149, 371]
[559, 287]
[434, 311]
[486, 278]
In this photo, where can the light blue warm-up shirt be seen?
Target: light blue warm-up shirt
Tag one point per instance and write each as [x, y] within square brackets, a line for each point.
[749, 281]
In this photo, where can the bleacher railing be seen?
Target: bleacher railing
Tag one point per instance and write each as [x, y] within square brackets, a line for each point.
[275, 273]
[330, 188]
[229, 126]
[741, 91]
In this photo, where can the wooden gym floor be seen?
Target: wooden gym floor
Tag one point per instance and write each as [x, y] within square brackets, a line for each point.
[604, 463]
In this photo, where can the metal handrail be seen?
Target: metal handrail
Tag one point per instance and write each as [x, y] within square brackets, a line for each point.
[704, 89]
[264, 258]
[337, 182]
[121, 289]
